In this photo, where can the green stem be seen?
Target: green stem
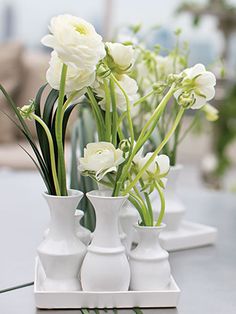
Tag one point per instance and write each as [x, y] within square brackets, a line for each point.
[114, 113]
[97, 114]
[52, 152]
[68, 101]
[142, 99]
[135, 200]
[129, 119]
[155, 153]
[58, 132]
[107, 113]
[144, 137]
[144, 207]
[163, 204]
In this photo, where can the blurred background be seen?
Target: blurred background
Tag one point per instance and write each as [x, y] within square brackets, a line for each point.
[210, 28]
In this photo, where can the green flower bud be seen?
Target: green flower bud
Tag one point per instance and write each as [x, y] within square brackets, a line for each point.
[159, 87]
[186, 100]
[27, 110]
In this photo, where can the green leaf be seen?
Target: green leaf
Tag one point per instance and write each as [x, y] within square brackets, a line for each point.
[47, 115]
[37, 166]
[66, 119]
[43, 167]
[15, 109]
[49, 106]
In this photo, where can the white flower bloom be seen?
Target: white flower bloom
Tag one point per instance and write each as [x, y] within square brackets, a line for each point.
[122, 55]
[158, 169]
[75, 41]
[100, 158]
[127, 83]
[212, 114]
[167, 65]
[199, 84]
[148, 73]
[76, 79]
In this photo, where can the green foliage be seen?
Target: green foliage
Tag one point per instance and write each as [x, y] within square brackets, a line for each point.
[82, 134]
[42, 154]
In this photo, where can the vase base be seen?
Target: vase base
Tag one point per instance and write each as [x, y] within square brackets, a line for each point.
[82, 299]
[61, 285]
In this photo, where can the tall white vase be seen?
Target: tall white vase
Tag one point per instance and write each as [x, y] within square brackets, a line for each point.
[61, 253]
[82, 233]
[128, 217]
[175, 208]
[105, 266]
[150, 268]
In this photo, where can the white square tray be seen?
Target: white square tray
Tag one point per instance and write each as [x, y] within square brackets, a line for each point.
[100, 300]
[189, 235]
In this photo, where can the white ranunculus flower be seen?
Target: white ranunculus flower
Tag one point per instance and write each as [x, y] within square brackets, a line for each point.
[127, 83]
[75, 41]
[122, 55]
[199, 83]
[76, 79]
[100, 158]
[158, 169]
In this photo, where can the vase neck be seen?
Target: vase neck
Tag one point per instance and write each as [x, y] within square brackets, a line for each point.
[106, 233]
[62, 212]
[149, 237]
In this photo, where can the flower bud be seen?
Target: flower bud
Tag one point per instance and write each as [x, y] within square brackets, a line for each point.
[211, 113]
[159, 87]
[27, 110]
[186, 100]
[174, 78]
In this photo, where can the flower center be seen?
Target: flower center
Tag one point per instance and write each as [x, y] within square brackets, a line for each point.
[81, 29]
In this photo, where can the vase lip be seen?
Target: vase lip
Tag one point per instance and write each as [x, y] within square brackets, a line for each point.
[72, 194]
[104, 194]
[138, 227]
[177, 167]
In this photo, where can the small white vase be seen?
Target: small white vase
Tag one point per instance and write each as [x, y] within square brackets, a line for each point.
[61, 253]
[175, 208]
[149, 265]
[128, 217]
[82, 233]
[105, 266]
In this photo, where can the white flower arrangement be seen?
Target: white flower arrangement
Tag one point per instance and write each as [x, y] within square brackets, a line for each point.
[83, 65]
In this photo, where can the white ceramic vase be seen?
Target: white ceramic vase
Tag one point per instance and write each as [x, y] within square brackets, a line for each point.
[128, 218]
[149, 264]
[105, 266]
[82, 233]
[61, 252]
[175, 208]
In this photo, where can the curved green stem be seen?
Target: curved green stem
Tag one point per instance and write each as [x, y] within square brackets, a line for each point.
[52, 153]
[107, 113]
[139, 207]
[156, 152]
[58, 132]
[144, 137]
[97, 114]
[130, 124]
[114, 113]
[68, 101]
[163, 204]
[142, 99]
[147, 221]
